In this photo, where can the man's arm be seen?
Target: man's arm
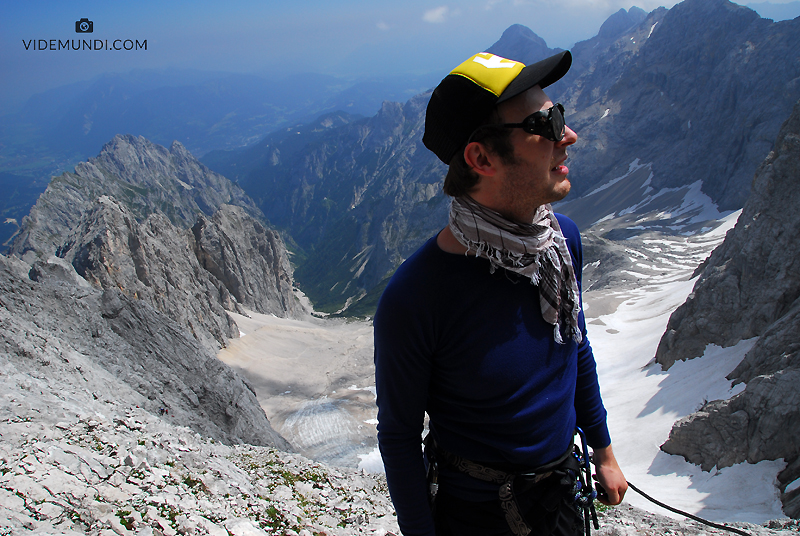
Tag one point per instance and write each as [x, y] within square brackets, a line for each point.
[610, 476]
[588, 403]
[402, 374]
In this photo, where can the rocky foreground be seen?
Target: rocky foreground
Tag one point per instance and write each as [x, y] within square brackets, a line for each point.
[121, 470]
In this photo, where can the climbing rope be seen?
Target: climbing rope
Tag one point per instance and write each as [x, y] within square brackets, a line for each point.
[687, 514]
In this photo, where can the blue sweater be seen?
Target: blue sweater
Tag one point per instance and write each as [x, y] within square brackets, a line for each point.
[472, 350]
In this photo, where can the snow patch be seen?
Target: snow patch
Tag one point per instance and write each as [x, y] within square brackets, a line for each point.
[633, 166]
[371, 462]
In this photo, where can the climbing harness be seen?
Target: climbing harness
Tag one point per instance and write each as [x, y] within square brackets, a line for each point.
[585, 494]
[576, 466]
[568, 479]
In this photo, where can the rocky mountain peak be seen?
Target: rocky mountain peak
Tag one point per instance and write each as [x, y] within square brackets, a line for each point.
[621, 21]
[123, 220]
[146, 177]
[520, 43]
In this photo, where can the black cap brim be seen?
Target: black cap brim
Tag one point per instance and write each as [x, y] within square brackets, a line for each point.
[542, 74]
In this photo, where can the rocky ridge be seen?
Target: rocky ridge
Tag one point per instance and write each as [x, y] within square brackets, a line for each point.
[147, 177]
[70, 343]
[678, 88]
[750, 287]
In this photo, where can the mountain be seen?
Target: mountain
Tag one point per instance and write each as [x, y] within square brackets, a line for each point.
[663, 106]
[149, 177]
[521, 44]
[678, 93]
[750, 288]
[158, 226]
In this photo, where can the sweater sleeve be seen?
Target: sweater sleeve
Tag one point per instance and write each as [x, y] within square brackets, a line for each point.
[402, 374]
[589, 409]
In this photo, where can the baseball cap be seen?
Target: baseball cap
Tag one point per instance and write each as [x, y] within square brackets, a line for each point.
[463, 100]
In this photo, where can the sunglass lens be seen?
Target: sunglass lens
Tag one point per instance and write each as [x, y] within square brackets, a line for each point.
[557, 122]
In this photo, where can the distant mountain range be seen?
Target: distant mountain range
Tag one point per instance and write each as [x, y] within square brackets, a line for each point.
[59, 128]
[674, 109]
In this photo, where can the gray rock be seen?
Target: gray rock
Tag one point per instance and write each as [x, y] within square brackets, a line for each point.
[146, 177]
[750, 287]
[154, 262]
[249, 260]
[753, 278]
[61, 338]
[56, 268]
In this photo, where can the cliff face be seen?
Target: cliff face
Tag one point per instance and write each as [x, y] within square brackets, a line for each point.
[753, 278]
[249, 261]
[151, 261]
[74, 339]
[750, 287]
[678, 90]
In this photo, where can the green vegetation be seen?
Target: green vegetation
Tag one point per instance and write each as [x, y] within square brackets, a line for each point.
[125, 519]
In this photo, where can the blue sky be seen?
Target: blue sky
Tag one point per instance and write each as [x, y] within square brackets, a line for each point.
[346, 37]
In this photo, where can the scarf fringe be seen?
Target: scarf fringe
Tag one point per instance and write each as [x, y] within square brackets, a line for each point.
[551, 250]
[495, 258]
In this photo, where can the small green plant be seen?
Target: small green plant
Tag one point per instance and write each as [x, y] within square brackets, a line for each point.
[192, 482]
[125, 519]
[601, 508]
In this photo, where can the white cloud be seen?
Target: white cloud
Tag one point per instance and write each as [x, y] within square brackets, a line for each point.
[383, 26]
[437, 15]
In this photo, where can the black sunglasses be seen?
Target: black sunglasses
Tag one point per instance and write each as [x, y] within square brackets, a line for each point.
[546, 123]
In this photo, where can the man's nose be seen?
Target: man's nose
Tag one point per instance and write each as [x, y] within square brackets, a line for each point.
[569, 137]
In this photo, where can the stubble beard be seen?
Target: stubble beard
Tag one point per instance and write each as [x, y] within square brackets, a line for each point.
[522, 196]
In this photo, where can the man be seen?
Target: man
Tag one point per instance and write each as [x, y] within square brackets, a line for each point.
[482, 329]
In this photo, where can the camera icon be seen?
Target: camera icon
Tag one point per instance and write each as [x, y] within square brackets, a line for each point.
[84, 26]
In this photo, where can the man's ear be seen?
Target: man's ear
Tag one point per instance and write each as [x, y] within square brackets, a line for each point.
[478, 157]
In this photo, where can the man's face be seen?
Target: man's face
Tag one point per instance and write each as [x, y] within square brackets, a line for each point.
[536, 174]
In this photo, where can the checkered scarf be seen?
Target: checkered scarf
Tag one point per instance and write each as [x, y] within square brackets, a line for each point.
[537, 250]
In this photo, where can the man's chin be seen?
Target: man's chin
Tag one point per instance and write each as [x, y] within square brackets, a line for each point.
[561, 190]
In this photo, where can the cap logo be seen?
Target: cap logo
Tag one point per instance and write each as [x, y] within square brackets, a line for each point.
[491, 72]
[494, 62]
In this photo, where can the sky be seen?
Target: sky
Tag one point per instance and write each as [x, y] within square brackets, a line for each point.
[352, 38]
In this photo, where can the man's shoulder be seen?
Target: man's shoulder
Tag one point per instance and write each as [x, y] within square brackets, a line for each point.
[416, 272]
[568, 227]
[412, 286]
